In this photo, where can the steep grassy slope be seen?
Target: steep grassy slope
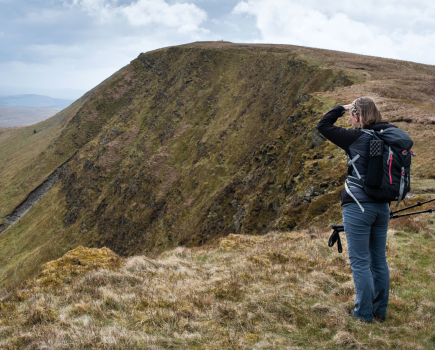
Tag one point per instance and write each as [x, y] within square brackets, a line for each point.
[191, 143]
[26, 158]
[199, 147]
[278, 291]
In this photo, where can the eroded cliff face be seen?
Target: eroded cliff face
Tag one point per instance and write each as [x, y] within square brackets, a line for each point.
[192, 143]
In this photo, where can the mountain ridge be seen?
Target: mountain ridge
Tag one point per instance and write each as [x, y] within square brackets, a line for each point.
[188, 144]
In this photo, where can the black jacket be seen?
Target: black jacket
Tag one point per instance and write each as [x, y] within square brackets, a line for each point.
[353, 141]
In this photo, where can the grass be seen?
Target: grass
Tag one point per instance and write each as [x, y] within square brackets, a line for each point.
[284, 290]
[19, 146]
[38, 237]
[180, 154]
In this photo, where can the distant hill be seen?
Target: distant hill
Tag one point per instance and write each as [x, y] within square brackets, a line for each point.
[34, 101]
[18, 116]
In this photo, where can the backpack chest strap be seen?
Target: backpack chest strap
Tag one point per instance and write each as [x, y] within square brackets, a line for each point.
[352, 163]
[354, 182]
[348, 184]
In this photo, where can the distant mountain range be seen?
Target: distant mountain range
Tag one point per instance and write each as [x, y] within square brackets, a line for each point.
[34, 101]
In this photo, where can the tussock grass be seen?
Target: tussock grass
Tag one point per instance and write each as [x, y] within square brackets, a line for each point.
[282, 290]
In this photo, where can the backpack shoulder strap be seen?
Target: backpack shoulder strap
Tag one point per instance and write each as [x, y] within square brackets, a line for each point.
[372, 133]
[368, 131]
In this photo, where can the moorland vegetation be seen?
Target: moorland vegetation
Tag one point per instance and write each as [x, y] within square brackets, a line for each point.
[282, 290]
[209, 145]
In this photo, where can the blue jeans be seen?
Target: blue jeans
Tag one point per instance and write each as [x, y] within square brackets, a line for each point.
[366, 235]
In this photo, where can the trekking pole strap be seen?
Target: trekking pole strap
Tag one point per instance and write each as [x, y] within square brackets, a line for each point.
[335, 237]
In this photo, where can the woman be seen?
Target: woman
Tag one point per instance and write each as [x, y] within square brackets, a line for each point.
[365, 219]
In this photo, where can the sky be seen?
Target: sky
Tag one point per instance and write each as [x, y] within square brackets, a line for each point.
[63, 48]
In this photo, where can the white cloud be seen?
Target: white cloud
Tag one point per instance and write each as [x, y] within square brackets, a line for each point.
[185, 17]
[389, 15]
[103, 10]
[341, 28]
[225, 23]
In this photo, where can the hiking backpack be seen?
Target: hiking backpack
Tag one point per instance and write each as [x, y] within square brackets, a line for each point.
[388, 174]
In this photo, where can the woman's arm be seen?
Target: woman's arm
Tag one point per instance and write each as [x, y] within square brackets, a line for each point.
[341, 137]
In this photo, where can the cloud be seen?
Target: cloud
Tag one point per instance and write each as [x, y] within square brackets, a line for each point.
[103, 10]
[390, 15]
[341, 27]
[184, 17]
[225, 23]
[78, 43]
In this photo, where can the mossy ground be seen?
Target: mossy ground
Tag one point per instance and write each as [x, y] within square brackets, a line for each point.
[283, 290]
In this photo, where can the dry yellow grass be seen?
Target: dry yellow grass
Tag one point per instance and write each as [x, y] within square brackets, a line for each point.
[278, 291]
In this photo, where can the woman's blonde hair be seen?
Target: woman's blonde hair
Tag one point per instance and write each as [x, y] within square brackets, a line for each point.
[366, 110]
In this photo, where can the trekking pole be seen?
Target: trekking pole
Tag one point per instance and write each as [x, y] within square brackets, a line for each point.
[412, 206]
[335, 237]
[409, 214]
